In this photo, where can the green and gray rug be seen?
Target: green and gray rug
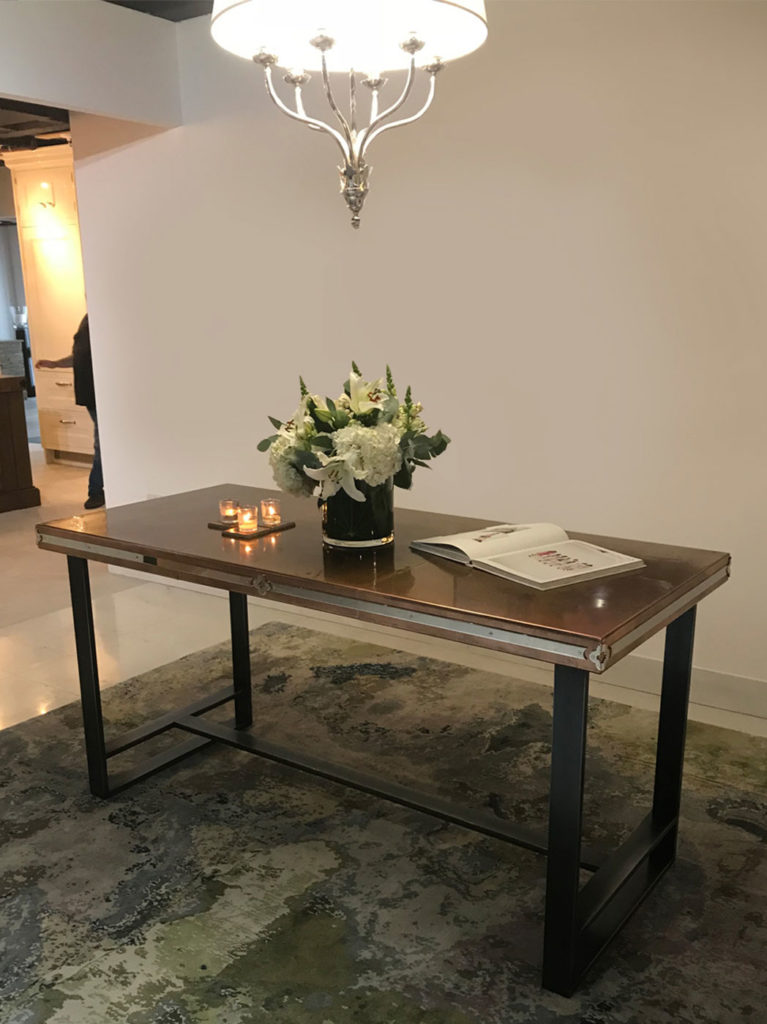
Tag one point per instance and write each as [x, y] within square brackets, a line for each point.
[228, 891]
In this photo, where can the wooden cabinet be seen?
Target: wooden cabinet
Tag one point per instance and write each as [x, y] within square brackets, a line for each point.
[49, 239]
[16, 487]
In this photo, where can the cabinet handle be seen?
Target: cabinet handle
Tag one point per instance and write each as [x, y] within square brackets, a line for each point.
[67, 421]
[64, 383]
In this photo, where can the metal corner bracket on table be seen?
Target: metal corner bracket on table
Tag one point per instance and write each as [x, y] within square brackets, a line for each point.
[580, 920]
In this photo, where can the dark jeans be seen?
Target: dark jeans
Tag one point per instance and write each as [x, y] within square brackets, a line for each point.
[96, 479]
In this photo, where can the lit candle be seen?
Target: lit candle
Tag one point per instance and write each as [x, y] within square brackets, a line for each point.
[227, 510]
[247, 519]
[270, 511]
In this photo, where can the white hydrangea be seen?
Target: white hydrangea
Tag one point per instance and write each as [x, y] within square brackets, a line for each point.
[286, 476]
[374, 451]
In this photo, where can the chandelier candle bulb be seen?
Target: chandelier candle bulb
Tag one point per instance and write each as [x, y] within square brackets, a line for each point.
[247, 519]
[270, 511]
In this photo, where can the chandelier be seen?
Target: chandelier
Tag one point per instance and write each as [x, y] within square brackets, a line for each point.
[361, 38]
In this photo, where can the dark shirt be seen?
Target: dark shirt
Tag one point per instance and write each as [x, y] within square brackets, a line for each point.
[83, 368]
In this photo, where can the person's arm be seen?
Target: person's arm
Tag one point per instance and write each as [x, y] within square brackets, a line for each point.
[53, 364]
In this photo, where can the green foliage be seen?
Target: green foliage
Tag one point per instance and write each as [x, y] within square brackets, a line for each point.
[390, 382]
[304, 388]
[417, 450]
[302, 459]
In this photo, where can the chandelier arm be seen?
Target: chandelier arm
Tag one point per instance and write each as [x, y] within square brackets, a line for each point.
[334, 106]
[311, 122]
[299, 101]
[366, 132]
[353, 101]
[405, 120]
[373, 105]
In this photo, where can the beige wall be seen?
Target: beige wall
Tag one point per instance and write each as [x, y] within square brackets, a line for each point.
[565, 258]
[84, 55]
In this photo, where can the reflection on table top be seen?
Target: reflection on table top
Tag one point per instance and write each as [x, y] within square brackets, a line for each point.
[174, 531]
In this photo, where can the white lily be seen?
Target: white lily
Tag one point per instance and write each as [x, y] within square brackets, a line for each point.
[335, 474]
[364, 396]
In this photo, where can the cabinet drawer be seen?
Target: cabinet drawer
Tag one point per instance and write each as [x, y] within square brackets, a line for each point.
[69, 430]
[55, 389]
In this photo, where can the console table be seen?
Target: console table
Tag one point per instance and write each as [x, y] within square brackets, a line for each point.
[581, 629]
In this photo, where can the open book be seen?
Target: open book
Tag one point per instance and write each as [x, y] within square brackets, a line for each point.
[537, 554]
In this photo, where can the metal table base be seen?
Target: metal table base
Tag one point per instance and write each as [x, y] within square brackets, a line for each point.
[580, 920]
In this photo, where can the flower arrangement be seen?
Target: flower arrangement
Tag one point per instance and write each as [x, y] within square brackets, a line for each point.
[365, 436]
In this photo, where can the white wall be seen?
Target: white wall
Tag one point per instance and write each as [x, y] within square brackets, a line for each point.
[84, 55]
[565, 258]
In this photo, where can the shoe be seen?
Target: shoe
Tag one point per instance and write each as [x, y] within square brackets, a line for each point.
[95, 501]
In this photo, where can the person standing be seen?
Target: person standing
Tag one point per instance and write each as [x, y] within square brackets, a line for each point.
[80, 361]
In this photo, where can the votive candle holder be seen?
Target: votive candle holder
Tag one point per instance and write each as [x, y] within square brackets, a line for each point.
[270, 511]
[227, 511]
[247, 519]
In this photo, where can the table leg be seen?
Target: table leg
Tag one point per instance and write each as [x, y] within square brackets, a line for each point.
[243, 705]
[672, 726]
[568, 755]
[581, 921]
[85, 642]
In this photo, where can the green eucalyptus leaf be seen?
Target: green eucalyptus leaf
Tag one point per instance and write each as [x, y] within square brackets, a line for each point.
[422, 447]
[389, 409]
[438, 443]
[266, 443]
[403, 477]
[303, 459]
[274, 422]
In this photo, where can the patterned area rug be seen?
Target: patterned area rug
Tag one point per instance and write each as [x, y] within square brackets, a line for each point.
[227, 890]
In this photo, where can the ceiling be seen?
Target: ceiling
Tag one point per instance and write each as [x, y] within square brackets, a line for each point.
[22, 123]
[171, 10]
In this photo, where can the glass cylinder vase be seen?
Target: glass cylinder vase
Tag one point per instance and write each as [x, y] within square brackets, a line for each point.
[347, 523]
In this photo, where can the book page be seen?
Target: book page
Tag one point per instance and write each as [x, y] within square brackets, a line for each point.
[551, 563]
[491, 540]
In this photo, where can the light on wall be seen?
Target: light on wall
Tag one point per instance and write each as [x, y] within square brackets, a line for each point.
[361, 38]
[44, 195]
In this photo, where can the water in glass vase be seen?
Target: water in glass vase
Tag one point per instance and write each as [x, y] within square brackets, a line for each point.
[347, 523]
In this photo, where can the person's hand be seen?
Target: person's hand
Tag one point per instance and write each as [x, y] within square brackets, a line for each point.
[45, 364]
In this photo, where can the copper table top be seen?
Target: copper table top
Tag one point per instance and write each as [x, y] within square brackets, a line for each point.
[589, 624]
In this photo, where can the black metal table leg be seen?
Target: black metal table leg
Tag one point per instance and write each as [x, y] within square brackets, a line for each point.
[581, 921]
[85, 641]
[672, 725]
[243, 704]
[568, 754]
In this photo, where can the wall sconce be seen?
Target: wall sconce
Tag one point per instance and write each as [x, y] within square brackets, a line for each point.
[45, 195]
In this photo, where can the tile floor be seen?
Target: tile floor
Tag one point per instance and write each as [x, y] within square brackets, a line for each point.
[141, 625]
